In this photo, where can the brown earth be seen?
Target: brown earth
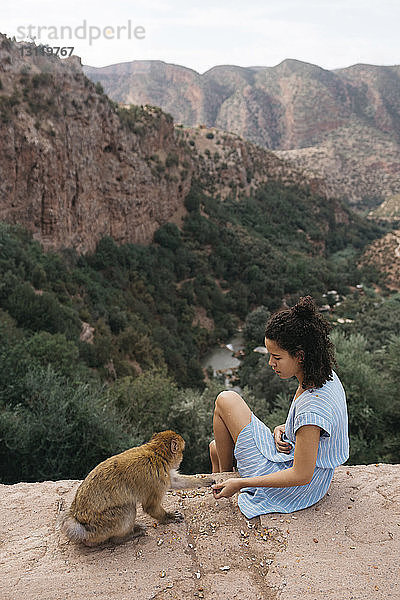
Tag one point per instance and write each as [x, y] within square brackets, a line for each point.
[344, 548]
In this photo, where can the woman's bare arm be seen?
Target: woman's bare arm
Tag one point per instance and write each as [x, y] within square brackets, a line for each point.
[305, 457]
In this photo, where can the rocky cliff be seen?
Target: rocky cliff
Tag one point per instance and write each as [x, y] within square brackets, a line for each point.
[384, 255]
[72, 167]
[344, 547]
[75, 167]
[342, 126]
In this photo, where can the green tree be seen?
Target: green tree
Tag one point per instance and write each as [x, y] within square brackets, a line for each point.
[59, 429]
[254, 327]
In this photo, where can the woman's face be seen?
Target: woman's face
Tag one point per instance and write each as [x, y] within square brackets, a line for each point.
[282, 362]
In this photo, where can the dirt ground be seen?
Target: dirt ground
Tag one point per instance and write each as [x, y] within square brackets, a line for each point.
[346, 547]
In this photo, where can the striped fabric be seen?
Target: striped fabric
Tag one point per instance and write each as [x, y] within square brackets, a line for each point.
[256, 453]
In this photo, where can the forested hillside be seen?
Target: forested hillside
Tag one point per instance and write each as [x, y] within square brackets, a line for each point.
[97, 351]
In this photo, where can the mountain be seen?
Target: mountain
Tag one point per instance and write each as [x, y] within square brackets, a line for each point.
[75, 167]
[341, 126]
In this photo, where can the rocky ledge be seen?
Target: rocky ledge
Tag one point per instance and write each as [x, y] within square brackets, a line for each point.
[345, 547]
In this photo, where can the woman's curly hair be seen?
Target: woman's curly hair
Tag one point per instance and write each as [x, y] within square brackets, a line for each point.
[303, 328]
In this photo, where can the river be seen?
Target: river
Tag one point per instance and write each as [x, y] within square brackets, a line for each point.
[223, 362]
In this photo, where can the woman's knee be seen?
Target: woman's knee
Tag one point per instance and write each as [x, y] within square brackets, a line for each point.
[227, 400]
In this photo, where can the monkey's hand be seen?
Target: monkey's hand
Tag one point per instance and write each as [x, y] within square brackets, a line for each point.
[207, 481]
[173, 517]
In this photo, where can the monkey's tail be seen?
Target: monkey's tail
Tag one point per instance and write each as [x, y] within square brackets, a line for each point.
[74, 530]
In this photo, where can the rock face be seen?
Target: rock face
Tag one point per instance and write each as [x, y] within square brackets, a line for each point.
[342, 126]
[346, 546]
[75, 167]
[71, 169]
[384, 255]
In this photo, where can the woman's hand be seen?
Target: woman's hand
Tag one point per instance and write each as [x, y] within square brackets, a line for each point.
[227, 488]
[281, 446]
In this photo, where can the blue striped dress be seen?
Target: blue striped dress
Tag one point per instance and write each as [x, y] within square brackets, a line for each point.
[256, 453]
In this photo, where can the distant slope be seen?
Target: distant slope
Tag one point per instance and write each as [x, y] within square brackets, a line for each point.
[340, 125]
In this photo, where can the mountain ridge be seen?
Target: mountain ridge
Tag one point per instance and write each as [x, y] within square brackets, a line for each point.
[291, 107]
[68, 152]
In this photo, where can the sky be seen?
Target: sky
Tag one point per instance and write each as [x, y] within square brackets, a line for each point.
[203, 34]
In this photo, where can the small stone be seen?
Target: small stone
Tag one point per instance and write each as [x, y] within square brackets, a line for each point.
[225, 568]
[163, 574]
[197, 574]
[293, 517]
[315, 540]
[352, 547]
[159, 542]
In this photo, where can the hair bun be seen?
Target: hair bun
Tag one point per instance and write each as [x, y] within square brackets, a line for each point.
[305, 308]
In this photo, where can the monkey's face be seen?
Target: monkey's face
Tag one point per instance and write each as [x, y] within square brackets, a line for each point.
[177, 448]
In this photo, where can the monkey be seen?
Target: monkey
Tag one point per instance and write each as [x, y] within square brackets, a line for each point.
[104, 507]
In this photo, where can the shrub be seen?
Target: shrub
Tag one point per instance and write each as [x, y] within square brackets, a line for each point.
[59, 430]
[172, 160]
[168, 236]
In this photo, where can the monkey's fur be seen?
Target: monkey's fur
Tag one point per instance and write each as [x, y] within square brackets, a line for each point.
[104, 507]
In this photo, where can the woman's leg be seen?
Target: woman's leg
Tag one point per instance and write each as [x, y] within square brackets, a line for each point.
[231, 414]
[214, 458]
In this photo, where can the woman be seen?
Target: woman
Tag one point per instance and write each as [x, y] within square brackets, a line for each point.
[292, 468]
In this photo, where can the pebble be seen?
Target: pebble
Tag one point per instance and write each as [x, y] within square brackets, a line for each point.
[163, 574]
[225, 568]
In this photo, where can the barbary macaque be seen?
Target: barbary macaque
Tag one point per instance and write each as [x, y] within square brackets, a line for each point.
[104, 507]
